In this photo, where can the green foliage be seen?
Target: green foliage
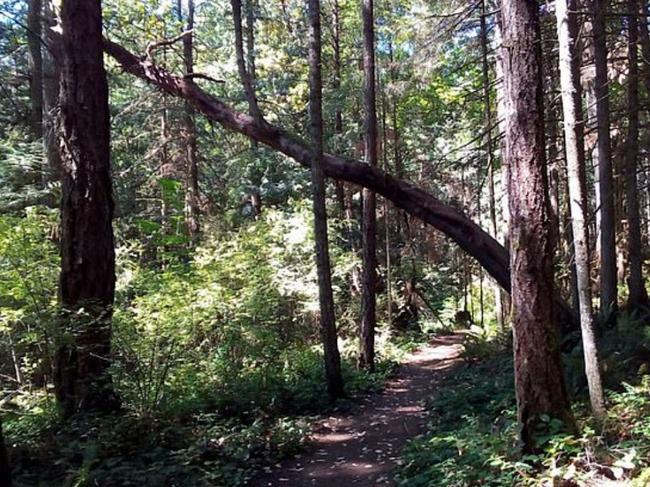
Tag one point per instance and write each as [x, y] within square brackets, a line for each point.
[473, 436]
[28, 276]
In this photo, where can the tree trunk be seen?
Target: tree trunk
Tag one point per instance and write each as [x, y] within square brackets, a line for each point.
[503, 176]
[637, 293]
[244, 73]
[189, 132]
[369, 224]
[50, 99]
[336, 87]
[328, 321]
[567, 28]
[539, 382]
[34, 34]
[489, 153]
[608, 281]
[87, 282]
[413, 200]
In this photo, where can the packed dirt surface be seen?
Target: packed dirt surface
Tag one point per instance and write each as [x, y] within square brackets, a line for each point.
[361, 448]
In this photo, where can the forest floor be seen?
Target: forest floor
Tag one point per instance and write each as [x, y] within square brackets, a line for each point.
[361, 447]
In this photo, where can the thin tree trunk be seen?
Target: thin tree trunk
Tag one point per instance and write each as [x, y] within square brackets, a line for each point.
[34, 34]
[336, 87]
[87, 282]
[489, 153]
[504, 235]
[328, 323]
[50, 99]
[638, 295]
[244, 73]
[5, 469]
[369, 233]
[189, 132]
[567, 28]
[608, 281]
[539, 382]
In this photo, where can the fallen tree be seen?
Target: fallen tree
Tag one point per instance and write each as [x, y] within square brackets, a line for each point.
[492, 256]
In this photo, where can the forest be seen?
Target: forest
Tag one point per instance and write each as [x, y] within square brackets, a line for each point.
[324, 243]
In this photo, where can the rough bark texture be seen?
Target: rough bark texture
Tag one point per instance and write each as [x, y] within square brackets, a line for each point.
[539, 382]
[5, 470]
[369, 222]
[567, 28]
[189, 132]
[413, 200]
[87, 282]
[608, 281]
[328, 321]
[637, 293]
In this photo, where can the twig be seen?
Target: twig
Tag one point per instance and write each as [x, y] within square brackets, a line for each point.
[163, 43]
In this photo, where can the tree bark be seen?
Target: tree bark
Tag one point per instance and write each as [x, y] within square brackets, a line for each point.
[638, 295]
[87, 281]
[369, 222]
[608, 281]
[539, 383]
[567, 28]
[413, 200]
[5, 469]
[333, 375]
[189, 132]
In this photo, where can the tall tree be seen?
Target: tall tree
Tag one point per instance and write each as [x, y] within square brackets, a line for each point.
[189, 129]
[244, 72]
[87, 282]
[369, 231]
[326, 297]
[34, 42]
[539, 383]
[489, 151]
[637, 293]
[608, 280]
[51, 71]
[567, 29]
[5, 470]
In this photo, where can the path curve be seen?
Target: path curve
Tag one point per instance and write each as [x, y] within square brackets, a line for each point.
[361, 448]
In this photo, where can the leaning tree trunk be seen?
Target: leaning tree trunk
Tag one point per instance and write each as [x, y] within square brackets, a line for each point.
[539, 383]
[608, 278]
[406, 196]
[189, 131]
[5, 470]
[567, 28]
[369, 233]
[326, 297]
[636, 286]
[87, 282]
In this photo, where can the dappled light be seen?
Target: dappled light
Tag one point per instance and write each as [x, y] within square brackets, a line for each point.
[300, 243]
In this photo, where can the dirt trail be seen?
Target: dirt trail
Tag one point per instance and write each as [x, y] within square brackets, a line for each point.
[361, 448]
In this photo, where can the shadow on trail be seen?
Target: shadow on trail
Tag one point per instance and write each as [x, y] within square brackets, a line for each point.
[361, 448]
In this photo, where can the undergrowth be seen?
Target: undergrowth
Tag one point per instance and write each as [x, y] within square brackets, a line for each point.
[472, 438]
